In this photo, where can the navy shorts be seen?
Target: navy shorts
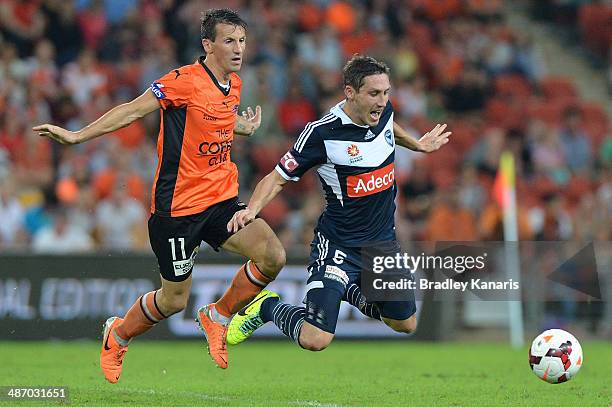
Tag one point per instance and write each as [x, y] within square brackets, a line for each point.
[332, 269]
[175, 241]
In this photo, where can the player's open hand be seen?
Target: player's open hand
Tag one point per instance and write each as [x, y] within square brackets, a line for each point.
[253, 117]
[57, 133]
[240, 220]
[434, 139]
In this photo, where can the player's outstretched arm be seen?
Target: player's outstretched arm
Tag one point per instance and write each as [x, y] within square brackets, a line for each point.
[248, 122]
[431, 141]
[265, 191]
[116, 118]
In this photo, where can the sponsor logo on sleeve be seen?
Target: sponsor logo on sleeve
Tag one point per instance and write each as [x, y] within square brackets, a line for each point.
[289, 162]
[157, 90]
[371, 182]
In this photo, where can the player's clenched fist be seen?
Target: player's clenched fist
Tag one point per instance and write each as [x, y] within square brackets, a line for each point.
[240, 220]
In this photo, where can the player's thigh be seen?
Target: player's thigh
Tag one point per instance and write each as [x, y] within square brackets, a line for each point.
[175, 242]
[259, 243]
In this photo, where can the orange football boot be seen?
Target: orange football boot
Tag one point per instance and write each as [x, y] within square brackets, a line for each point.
[112, 353]
[215, 334]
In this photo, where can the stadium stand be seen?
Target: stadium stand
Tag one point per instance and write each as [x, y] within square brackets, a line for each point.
[452, 61]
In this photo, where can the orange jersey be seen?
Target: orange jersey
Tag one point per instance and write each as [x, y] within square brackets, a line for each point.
[194, 170]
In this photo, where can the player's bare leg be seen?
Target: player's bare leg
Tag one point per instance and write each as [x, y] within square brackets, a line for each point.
[173, 296]
[258, 243]
[314, 338]
[147, 311]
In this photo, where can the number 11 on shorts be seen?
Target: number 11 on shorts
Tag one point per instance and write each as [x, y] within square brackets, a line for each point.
[173, 247]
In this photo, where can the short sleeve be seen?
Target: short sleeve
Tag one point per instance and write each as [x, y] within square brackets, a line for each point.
[236, 82]
[173, 89]
[307, 152]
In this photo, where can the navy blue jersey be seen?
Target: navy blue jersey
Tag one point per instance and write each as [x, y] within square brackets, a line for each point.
[356, 167]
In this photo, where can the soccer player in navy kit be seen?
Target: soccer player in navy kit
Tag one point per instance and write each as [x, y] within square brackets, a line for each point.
[353, 149]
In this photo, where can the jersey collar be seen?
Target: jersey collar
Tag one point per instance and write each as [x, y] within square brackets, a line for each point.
[214, 79]
[337, 111]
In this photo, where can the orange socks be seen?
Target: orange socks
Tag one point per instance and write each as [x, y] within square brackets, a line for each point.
[143, 316]
[247, 283]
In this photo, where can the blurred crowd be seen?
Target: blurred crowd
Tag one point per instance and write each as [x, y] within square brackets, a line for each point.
[588, 22]
[452, 61]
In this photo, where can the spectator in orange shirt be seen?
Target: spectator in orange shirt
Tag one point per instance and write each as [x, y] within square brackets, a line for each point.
[342, 16]
[448, 221]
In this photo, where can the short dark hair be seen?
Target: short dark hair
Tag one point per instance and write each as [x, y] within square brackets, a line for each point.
[360, 66]
[215, 16]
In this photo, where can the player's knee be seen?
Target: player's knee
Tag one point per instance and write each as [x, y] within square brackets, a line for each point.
[315, 344]
[407, 326]
[315, 341]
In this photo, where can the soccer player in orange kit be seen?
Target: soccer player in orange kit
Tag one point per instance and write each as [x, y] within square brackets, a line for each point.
[195, 192]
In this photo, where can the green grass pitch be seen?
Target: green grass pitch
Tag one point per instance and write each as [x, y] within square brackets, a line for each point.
[277, 373]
